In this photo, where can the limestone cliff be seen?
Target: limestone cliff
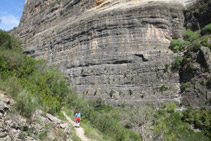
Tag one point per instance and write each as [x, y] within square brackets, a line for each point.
[113, 49]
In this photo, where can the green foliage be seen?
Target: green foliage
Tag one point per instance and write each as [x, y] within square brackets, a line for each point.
[8, 41]
[171, 107]
[16, 64]
[200, 118]
[130, 92]
[108, 124]
[61, 116]
[177, 62]
[191, 36]
[166, 68]
[184, 86]
[133, 136]
[169, 126]
[106, 119]
[39, 83]
[42, 134]
[206, 29]
[111, 93]
[205, 41]
[26, 104]
[163, 88]
[24, 132]
[11, 85]
[196, 47]
[178, 45]
[51, 89]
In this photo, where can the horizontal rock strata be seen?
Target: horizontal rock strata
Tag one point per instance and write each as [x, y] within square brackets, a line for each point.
[117, 50]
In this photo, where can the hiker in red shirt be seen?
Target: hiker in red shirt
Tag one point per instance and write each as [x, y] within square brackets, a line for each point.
[77, 117]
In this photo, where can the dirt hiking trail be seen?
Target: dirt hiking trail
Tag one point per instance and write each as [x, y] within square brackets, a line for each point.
[79, 131]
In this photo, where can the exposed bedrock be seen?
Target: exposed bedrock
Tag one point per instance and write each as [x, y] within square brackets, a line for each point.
[118, 52]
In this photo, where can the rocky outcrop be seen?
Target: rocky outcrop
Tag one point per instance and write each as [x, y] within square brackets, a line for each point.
[196, 76]
[115, 49]
[198, 15]
[41, 126]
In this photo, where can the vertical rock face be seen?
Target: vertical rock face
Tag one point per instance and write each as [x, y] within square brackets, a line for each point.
[199, 93]
[115, 50]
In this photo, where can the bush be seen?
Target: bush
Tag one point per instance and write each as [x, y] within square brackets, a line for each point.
[196, 47]
[200, 118]
[8, 41]
[178, 45]
[51, 89]
[205, 43]
[206, 29]
[171, 107]
[184, 86]
[16, 64]
[11, 85]
[169, 126]
[177, 62]
[34, 77]
[191, 36]
[163, 88]
[130, 92]
[26, 104]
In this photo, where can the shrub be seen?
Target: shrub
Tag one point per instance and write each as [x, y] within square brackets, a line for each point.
[111, 93]
[205, 42]
[206, 29]
[196, 47]
[163, 88]
[177, 62]
[166, 68]
[200, 118]
[130, 92]
[8, 41]
[15, 63]
[177, 45]
[171, 107]
[191, 36]
[133, 136]
[169, 125]
[26, 104]
[34, 77]
[184, 86]
[51, 89]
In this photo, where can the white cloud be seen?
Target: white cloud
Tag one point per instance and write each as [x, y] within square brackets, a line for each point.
[9, 22]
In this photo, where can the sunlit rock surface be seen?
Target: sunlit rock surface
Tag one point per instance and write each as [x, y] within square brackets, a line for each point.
[116, 50]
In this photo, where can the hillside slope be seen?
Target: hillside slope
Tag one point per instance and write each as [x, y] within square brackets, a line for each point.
[42, 126]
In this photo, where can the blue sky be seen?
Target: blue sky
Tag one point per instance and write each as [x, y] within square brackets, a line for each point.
[10, 13]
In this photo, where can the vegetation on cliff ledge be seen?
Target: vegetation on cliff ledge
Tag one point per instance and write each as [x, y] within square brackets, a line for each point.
[191, 65]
